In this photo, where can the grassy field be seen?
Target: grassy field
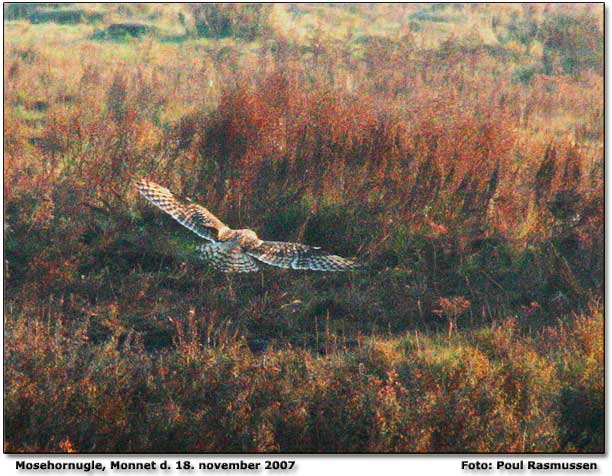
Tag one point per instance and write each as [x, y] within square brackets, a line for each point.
[456, 150]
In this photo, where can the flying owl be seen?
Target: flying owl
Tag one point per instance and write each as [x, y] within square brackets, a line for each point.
[239, 251]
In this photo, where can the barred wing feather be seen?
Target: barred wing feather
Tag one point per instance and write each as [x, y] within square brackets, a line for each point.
[298, 256]
[195, 217]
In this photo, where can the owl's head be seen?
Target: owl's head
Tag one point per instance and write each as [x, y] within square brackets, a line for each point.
[248, 235]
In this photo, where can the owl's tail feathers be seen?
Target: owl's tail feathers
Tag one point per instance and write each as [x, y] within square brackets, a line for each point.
[227, 258]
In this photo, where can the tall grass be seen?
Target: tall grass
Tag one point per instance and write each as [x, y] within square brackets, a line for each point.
[490, 390]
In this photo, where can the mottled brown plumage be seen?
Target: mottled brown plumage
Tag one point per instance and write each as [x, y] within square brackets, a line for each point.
[239, 250]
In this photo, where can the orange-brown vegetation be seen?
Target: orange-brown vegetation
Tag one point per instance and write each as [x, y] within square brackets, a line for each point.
[467, 175]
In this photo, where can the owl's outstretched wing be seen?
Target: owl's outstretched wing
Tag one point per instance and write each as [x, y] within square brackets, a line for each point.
[195, 217]
[298, 256]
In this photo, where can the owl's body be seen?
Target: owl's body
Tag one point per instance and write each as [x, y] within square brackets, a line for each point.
[239, 251]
